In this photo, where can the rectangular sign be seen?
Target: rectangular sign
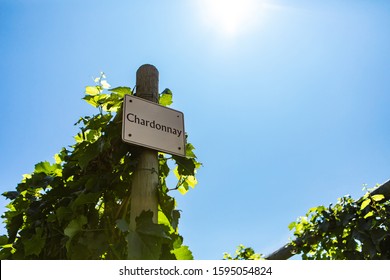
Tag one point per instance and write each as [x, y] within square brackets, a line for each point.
[153, 126]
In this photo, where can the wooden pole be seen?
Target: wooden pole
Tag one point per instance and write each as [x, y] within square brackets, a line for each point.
[145, 182]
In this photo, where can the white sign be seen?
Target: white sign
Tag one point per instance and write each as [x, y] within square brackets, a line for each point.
[153, 126]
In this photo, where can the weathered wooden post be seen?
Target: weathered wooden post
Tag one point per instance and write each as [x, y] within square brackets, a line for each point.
[145, 182]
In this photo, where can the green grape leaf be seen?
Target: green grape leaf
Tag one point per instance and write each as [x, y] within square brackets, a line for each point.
[183, 189]
[87, 154]
[48, 169]
[166, 97]
[35, 244]
[190, 151]
[145, 242]
[85, 198]
[139, 248]
[14, 224]
[183, 253]
[92, 90]
[122, 91]
[3, 240]
[11, 194]
[365, 203]
[185, 166]
[191, 181]
[75, 226]
[146, 226]
[369, 214]
[378, 197]
[292, 225]
[91, 100]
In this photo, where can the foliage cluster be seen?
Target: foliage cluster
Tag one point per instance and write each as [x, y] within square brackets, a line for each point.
[350, 229]
[79, 206]
[243, 253]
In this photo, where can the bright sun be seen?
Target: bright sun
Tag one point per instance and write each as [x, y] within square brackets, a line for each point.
[229, 17]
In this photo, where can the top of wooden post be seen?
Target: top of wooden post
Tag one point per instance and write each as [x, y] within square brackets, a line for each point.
[147, 83]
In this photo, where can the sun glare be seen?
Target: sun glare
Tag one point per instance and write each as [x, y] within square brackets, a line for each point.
[229, 17]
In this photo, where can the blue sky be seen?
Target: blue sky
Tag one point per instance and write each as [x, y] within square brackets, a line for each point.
[286, 102]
